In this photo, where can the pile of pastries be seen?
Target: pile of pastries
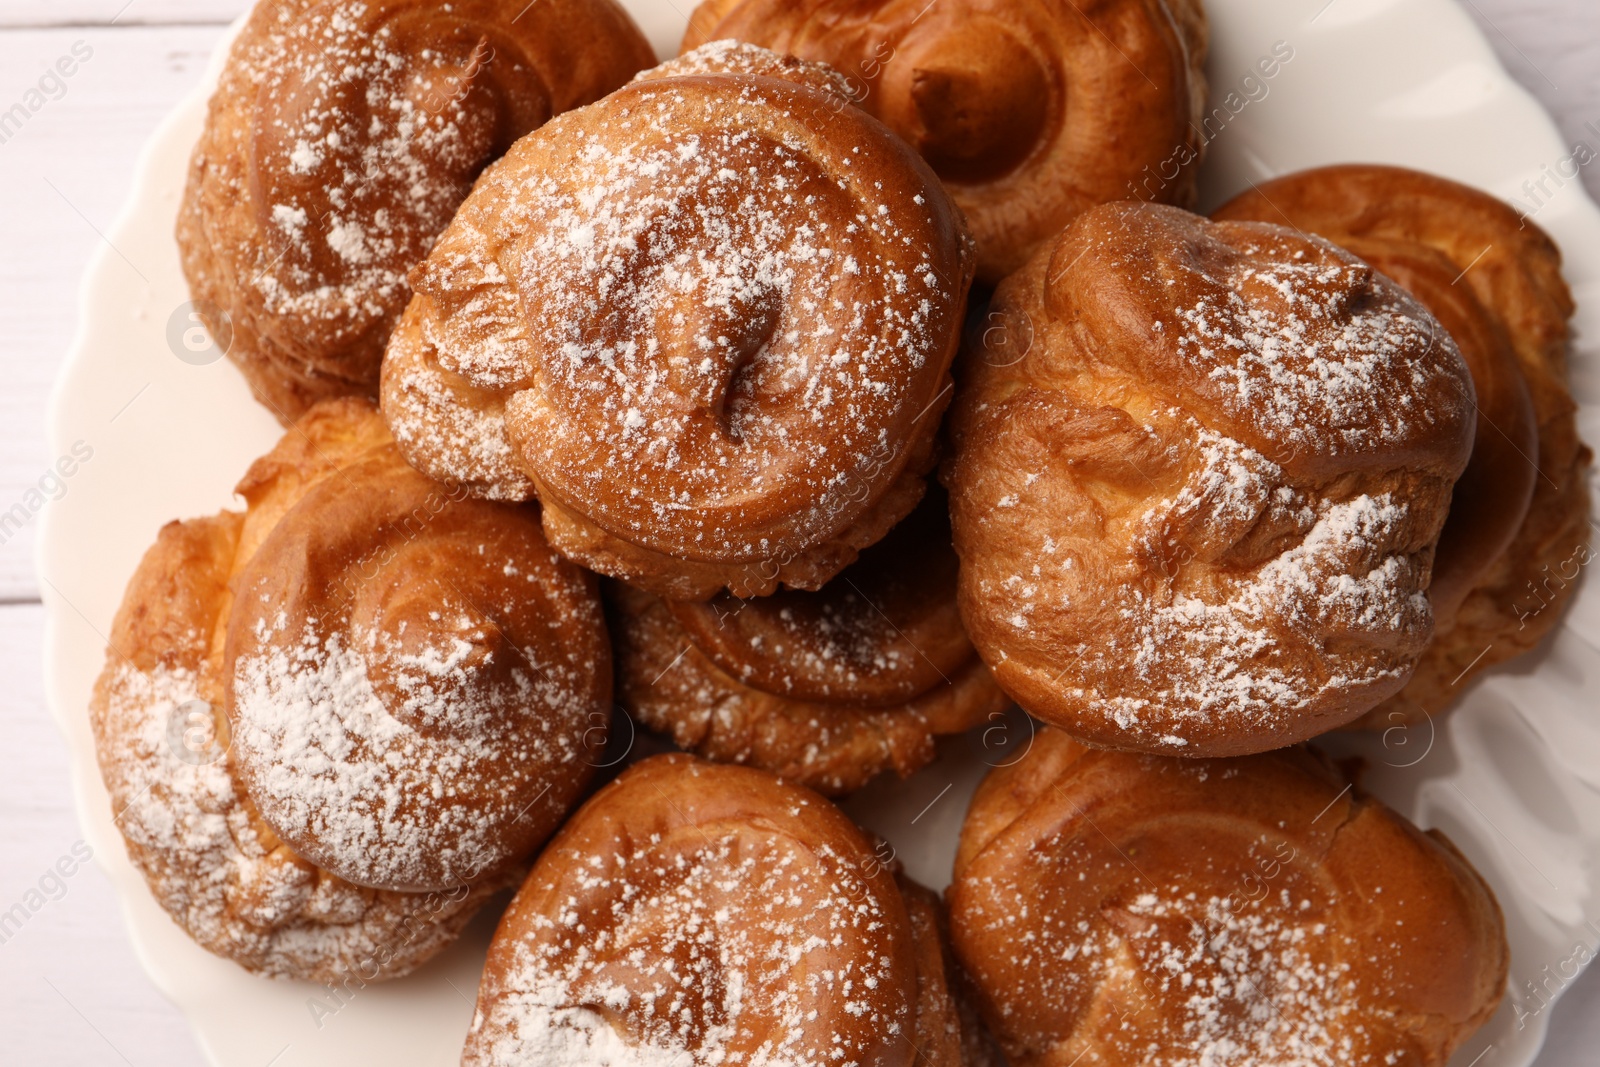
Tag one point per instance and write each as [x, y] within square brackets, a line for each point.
[798, 402]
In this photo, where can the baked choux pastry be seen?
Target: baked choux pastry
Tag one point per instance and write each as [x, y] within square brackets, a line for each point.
[707, 321]
[1518, 532]
[341, 138]
[1030, 111]
[1122, 910]
[827, 689]
[1198, 471]
[704, 914]
[357, 707]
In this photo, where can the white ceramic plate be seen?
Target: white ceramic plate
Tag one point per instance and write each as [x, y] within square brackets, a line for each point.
[1513, 776]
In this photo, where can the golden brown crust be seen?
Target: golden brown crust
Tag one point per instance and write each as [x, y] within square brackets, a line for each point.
[414, 677]
[809, 568]
[703, 22]
[741, 57]
[1169, 913]
[209, 858]
[1197, 513]
[700, 913]
[1030, 111]
[828, 689]
[937, 1034]
[254, 827]
[1518, 531]
[719, 333]
[339, 142]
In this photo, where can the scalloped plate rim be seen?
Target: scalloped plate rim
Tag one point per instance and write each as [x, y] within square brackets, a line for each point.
[151, 933]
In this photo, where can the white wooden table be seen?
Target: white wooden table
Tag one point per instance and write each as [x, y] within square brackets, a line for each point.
[71, 991]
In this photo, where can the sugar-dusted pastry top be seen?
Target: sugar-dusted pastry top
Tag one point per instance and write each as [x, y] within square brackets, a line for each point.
[827, 688]
[1198, 473]
[1143, 910]
[740, 57]
[700, 914]
[341, 139]
[413, 677]
[363, 702]
[211, 861]
[707, 321]
[1518, 530]
[1030, 111]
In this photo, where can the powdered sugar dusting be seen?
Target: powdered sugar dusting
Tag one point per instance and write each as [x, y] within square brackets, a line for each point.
[842, 643]
[668, 683]
[1256, 983]
[1342, 574]
[772, 351]
[747, 312]
[1224, 464]
[391, 791]
[744, 951]
[739, 57]
[424, 402]
[751, 938]
[1250, 598]
[1309, 360]
[220, 872]
[365, 150]
[566, 1037]
[1247, 912]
